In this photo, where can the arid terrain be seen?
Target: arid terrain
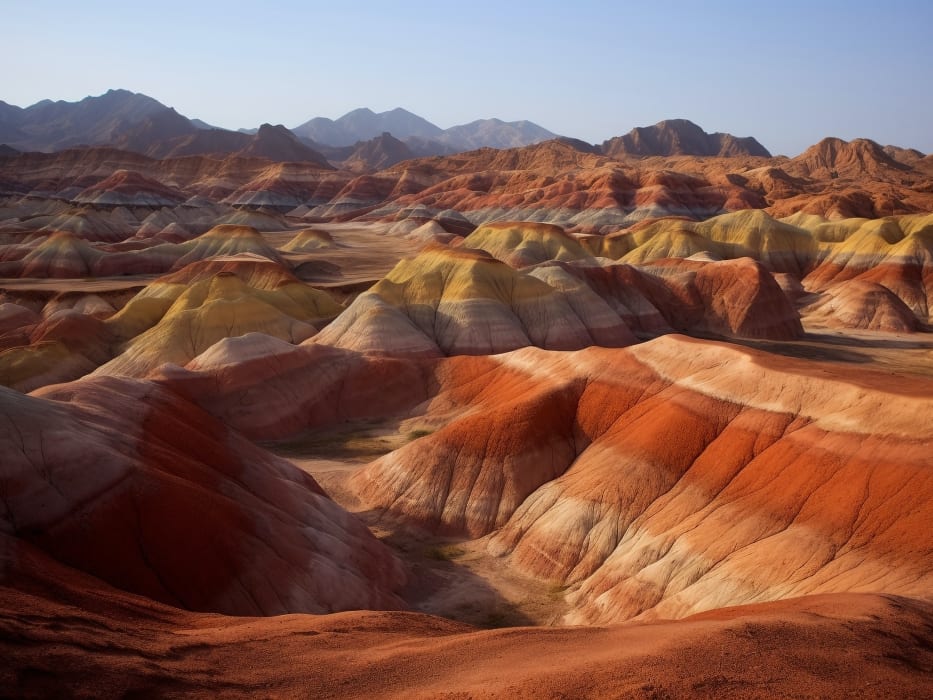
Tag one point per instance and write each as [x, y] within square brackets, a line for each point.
[651, 418]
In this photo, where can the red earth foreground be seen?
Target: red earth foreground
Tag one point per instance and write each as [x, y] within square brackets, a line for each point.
[66, 634]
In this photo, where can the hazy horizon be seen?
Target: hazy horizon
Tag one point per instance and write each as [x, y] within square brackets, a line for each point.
[787, 76]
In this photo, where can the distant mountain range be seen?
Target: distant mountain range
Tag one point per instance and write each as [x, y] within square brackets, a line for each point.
[139, 123]
[359, 140]
[53, 126]
[363, 124]
[135, 122]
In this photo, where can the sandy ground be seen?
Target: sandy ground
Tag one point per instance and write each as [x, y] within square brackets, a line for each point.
[364, 254]
[91, 286]
[452, 578]
[896, 353]
[61, 637]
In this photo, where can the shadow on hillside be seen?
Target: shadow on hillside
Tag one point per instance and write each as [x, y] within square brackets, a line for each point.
[359, 441]
[921, 341]
[447, 576]
[813, 350]
[443, 581]
[828, 347]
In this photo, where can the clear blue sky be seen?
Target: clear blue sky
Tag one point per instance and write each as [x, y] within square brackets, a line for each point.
[788, 73]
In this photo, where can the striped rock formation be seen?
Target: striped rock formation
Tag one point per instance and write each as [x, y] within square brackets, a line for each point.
[779, 247]
[181, 315]
[173, 319]
[520, 244]
[674, 476]
[456, 301]
[464, 301]
[128, 188]
[895, 253]
[63, 254]
[309, 239]
[129, 483]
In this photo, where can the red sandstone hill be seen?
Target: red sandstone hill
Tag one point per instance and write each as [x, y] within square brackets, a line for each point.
[833, 158]
[126, 187]
[133, 485]
[680, 137]
[554, 155]
[549, 182]
[659, 480]
[376, 154]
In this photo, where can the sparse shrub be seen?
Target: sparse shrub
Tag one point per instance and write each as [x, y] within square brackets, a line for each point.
[445, 552]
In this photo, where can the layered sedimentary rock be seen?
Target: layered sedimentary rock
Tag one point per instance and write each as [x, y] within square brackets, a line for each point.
[675, 476]
[225, 239]
[173, 319]
[177, 224]
[128, 188]
[61, 254]
[66, 255]
[309, 239]
[65, 345]
[67, 173]
[896, 253]
[568, 293]
[460, 301]
[523, 243]
[178, 317]
[286, 186]
[456, 301]
[731, 297]
[561, 182]
[835, 158]
[593, 195]
[780, 247]
[266, 388]
[860, 305]
[127, 482]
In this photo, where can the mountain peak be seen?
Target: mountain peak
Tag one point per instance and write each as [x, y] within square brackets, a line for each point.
[678, 123]
[95, 119]
[362, 124]
[681, 137]
[495, 133]
[834, 157]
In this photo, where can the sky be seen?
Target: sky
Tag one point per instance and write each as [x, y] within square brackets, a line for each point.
[788, 73]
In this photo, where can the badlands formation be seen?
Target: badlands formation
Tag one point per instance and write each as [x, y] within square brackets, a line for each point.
[650, 418]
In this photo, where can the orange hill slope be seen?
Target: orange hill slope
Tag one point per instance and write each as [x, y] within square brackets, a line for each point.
[455, 301]
[659, 480]
[128, 482]
[674, 476]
